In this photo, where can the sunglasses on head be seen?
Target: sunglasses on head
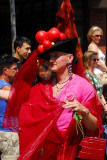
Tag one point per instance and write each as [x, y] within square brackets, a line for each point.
[95, 59]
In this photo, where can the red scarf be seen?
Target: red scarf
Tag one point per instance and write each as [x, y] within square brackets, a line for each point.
[37, 118]
[38, 114]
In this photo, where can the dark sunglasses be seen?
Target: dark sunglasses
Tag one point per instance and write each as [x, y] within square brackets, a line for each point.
[98, 35]
[95, 59]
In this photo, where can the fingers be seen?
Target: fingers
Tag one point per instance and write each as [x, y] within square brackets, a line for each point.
[74, 105]
[73, 109]
[69, 104]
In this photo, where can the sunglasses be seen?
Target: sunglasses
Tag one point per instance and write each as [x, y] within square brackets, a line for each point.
[97, 35]
[95, 59]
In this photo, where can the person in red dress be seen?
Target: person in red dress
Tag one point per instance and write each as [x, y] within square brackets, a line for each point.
[44, 115]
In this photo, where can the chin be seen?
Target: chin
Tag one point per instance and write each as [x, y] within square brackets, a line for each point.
[25, 57]
[53, 69]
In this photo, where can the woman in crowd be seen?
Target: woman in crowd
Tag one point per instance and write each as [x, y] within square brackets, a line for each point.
[90, 60]
[94, 36]
[45, 118]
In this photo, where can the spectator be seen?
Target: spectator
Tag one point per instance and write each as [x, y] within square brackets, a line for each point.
[22, 47]
[9, 144]
[44, 72]
[90, 60]
[94, 36]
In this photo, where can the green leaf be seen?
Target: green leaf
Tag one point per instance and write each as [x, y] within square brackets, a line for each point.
[78, 119]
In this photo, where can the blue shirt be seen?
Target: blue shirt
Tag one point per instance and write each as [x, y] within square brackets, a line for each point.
[3, 106]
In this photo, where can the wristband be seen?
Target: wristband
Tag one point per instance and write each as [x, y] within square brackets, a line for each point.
[87, 113]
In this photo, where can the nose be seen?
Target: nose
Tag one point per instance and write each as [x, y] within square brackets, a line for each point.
[29, 51]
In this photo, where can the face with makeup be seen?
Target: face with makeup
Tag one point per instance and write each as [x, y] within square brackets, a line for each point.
[58, 61]
[96, 36]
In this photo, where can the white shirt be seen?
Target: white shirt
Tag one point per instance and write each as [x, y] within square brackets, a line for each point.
[102, 59]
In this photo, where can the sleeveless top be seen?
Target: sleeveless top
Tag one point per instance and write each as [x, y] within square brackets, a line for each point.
[3, 104]
[96, 83]
[101, 57]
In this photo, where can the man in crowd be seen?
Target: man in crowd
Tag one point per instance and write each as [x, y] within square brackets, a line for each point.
[9, 143]
[22, 47]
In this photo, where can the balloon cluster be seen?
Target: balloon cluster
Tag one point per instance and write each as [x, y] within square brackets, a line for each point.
[47, 39]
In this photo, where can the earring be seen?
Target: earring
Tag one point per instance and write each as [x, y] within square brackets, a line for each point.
[70, 69]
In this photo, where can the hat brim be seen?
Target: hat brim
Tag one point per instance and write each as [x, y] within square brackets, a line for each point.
[66, 46]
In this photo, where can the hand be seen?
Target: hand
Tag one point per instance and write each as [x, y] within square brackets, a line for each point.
[101, 66]
[105, 109]
[75, 106]
[99, 63]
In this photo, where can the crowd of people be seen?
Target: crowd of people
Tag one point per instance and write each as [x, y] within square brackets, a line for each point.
[94, 37]
[9, 141]
[47, 101]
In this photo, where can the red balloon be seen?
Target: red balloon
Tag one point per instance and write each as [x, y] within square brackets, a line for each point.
[47, 44]
[62, 36]
[41, 36]
[41, 48]
[53, 34]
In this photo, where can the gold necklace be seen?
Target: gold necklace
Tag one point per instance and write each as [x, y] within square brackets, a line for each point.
[59, 89]
[63, 82]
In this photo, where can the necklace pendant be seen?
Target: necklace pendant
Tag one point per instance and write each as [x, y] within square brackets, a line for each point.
[58, 89]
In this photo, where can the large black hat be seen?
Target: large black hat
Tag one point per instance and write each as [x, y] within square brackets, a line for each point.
[67, 46]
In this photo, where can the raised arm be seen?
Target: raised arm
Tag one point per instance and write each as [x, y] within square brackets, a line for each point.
[100, 65]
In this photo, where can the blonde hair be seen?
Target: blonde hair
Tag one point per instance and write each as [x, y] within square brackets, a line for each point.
[87, 57]
[92, 30]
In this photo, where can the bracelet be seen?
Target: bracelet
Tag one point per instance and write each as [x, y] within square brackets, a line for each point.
[87, 113]
[105, 104]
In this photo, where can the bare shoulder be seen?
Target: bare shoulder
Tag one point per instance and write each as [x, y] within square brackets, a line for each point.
[92, 47]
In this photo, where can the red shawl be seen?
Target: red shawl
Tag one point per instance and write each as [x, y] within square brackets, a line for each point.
[37, 118]
[38, 114]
